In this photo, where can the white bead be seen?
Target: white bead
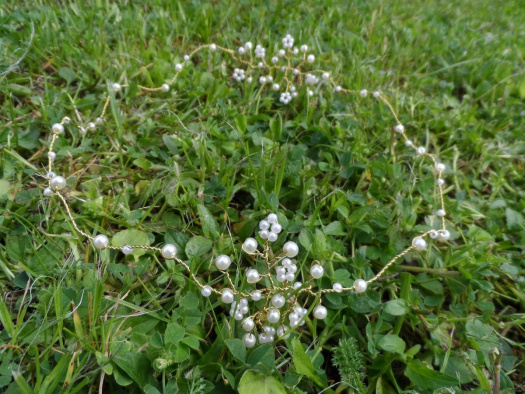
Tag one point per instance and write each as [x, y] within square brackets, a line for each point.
[278, 301]
[294, 94]
[399, 128]
[444, 235]
[273, 315]
[408, 143]
[280, 271]
[296, 285]
[50, 175]
[244, 309]
[290, 249]
[186, 58]
[310, 58]
[248, 46]
[338, 89]
[275, 59]
[100, 241]
[238, 316]
[275, 86]
[360, 285]
[51, 155]
[206, 291]
[440, 182]
[241, 50]
[440, 213]
[281, 330]
[169, 251]
[293, 317]
[433, 234]
[264, 225]
[286, 262]
[178, 67]
[310, 92]
[295, 72]
[282, 52]
[249, 340]
[117, 87]
[82, 130]
[250, 245]
[292, 268]
[243, 301]
[320, 312]
[289, 276]
[363, 93]
[419, 243]
[48, 192]
[57, 182]
[295, 51]
[440, 167]
[269, 78]
[249, 79]
[276, 228]
[338, 287]
[252, 276]
[91, 126]
[262, 80]
[316, 271]
[376, 94]
[127, 250]
[325, 76]
[272, 237]
[223, 262]
[281, 278]
[304, 48]
[57, 128]
[256, 295]
[260, 64]
[421, 150]
[264, 234]
[165, 87]
[66, 120]
[263, 338]
[272, 218]
[213, 47]
[248, 324]
[227, 296]
[99, 120]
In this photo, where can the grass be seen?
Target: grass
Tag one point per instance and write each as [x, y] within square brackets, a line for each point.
[207, 161]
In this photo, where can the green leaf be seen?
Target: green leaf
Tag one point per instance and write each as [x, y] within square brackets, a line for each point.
[334, 228]
[241, 122]
[397, 307]
[392, 343]
[197, 246]
[131, 237]
[237, 349]
[273, 201]
[209, 225]
[67, 74]
[174, 333]
[136, 365]
[427, 378]
[303, 363]
[264, 354]
[254, 382]
[276, 127]
[189, 301]
[143, 163]
[482, 334]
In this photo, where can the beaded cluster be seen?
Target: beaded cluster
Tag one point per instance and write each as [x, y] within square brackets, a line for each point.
[279, 299]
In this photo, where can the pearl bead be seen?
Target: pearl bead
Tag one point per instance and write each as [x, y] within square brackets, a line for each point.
[270, 78]
[50, 175]
[289, 276]
[238, 316]
[206, 291]
[178, 67]
[419, 243]
[292, 268]
[249, 79]
[360, 285]
[338, 287]
[325, 76]
[48, 192]
[295, 51]
[363, 93]
[256, 295]
[320, 312]
[100, 241]
[440, 167]
[213, 47]
[82, 130]
[275, 86]
[227, 296]
[290, 249]
[272, 237]
[243, 301]
[280, 271]
[250, 245]
[408, 143]
[433, 234]
[440, 182]
[57, 128]
[281, 278]
[264, 234]
[117, 87]
[91, 126]
[275, 59]
[99, 120]
[241, 50]
[57, 182]
[444, 235]
[296, 285]
[294, 94]
[421, 150]
[281, 331]
[277, 228]
[310, 58]
[278, 301]
[223, 262]
[127, 250]
[186, 58]
[165, 87]
[282, 52]
[248, 46]
[249, 340]
[51, 155]
[248, 324]
[304, 48]
[293, 317]
[376, 94]
[252, 276]
[168, 251]
[310, 92]
[262, 80]
[264, 225]
[273, 315]
[260, 64]
[66, 120]
[316, 271]
[440, 213]
[286, 262]
[338, 89]
[399, 128]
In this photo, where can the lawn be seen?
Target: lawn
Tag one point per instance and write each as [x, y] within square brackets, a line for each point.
[199, 166]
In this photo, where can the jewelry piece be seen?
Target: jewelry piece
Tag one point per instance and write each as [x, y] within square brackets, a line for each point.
[278, 297]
